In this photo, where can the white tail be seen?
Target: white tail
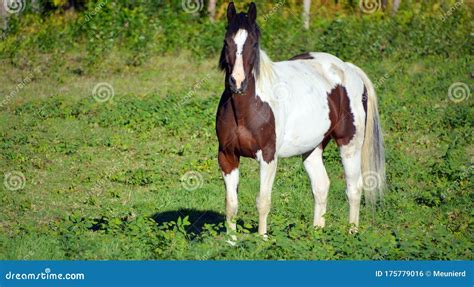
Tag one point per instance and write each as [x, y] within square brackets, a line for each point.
[373, 156]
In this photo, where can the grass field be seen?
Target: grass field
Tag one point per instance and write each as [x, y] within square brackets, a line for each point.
[136, 176]
[108, 149]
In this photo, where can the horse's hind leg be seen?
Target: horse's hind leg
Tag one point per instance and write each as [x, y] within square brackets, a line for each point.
[351, 159]
[314, 166]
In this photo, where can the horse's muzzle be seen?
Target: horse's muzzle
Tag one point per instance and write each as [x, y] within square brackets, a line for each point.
[233, 86]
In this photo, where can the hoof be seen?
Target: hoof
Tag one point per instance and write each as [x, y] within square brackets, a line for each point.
[231, 243]
[353, 230]
[320, 223]
[233, 240]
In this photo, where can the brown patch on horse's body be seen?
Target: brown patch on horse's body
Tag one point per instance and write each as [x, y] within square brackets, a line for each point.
[304, 56]
[244, 125]
[342, 127]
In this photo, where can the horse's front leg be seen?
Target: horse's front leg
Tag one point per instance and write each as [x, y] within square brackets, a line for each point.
[229, 164]
[267, 176]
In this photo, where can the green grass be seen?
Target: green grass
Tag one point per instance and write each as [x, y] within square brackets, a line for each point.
[108, 180]
[105, 180]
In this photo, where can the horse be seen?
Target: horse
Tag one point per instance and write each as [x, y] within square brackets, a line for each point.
[272, 110]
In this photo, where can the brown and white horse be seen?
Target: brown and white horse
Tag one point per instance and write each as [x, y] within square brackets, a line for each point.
[281, 109]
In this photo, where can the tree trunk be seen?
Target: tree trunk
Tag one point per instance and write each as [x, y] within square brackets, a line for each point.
[3, 17]
[212, 10]
[396, 5]
[307, 6]
[35, 6]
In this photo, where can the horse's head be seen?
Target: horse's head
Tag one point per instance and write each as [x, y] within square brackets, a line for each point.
[240, 54]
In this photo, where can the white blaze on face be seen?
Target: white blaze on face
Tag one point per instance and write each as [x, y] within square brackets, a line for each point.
[238, 72]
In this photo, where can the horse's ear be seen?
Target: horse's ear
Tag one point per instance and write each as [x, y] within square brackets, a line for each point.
[231, 12]
[252, 12]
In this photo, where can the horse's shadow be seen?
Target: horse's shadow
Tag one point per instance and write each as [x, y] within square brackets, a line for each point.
[197, 219]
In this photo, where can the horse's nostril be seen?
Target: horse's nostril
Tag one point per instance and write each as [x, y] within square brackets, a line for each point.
[232, 80]
[244, 84]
